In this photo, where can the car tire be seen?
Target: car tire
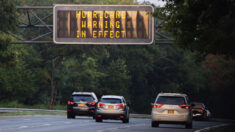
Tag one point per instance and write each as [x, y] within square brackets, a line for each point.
[98, 120]
[126, 120]
[189, 125]
[70, 115]
[73, 116]
[155, 124]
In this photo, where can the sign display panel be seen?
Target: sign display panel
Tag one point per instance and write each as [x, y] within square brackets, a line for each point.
[103, 24]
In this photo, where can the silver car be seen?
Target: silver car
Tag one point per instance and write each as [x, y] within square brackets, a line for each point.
[172, 108]
[112, 107]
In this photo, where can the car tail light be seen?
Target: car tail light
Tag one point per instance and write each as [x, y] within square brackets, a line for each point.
[100, 104]
[201, 110]
[70, 103]
[121, 117]
[184, 106]
[157, 105]
[98, 115]
[121, 105]
[91, 103]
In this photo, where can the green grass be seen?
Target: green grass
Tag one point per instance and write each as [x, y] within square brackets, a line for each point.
[31, 113]
[15, 104]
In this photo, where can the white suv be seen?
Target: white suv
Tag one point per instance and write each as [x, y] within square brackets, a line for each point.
[172, 108]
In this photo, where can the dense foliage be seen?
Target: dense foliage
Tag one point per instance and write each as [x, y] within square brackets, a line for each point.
[207, 26]
[28, 72]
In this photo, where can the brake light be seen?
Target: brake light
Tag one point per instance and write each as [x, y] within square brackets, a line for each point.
[121, 105]
[70, 103]
[91, 103]
[100, 104]
[121, 117]
[201, 110]
[184, 106]
[157, 105]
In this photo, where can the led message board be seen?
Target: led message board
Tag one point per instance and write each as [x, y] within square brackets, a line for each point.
[103, 24]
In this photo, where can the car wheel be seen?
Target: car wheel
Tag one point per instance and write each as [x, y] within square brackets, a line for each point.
[73, 116]
[69, 115]
[126, 120]
[155, 124]
[98, 120]
[189, 125]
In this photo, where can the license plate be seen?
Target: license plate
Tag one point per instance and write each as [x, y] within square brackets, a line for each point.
[84, 109]
[170, 111]
[110, 106]
[81, 104]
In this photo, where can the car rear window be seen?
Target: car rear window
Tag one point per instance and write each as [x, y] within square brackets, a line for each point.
[110, 100]
[170, 100]
[198, 106]
[85, 98]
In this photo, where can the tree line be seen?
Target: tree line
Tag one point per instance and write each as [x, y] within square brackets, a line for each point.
[48, 74]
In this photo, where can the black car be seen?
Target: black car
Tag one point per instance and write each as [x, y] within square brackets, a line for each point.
[81, 103]
[200, 111]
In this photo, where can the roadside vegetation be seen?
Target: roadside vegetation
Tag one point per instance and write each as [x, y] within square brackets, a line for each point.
[16, 104]
[31, 114]
[193, 65]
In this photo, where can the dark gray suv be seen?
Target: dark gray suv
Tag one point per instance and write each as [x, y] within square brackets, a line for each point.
[81, 103]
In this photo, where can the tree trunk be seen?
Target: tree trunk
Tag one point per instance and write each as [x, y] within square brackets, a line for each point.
[52, 83]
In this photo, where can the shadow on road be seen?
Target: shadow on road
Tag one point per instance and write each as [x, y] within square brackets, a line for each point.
[82, 118]
[112, 121]
[171, 126]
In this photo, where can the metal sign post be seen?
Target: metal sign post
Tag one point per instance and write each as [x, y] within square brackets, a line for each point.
[36, 25]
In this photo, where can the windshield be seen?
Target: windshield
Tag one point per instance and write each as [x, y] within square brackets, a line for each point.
[110, 100]
[170, 100]
[84, 98]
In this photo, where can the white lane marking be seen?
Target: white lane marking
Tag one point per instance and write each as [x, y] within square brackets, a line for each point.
[27, 119]
[46, 124]
[67, 122]
[21, 127]
[208, 128]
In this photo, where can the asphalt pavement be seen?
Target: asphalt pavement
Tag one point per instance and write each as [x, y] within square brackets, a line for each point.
[87, 124]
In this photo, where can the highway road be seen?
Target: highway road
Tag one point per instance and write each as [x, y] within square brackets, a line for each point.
[87, 124]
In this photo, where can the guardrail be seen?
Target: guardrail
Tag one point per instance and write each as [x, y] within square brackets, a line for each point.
[8, 110]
